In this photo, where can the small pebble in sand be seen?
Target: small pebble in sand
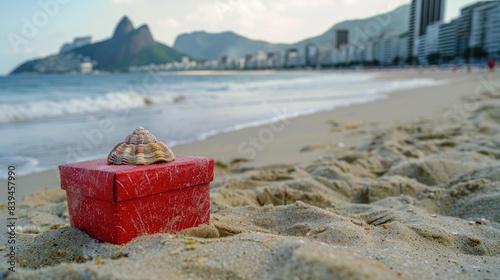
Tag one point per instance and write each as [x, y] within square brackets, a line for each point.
[481, 221]
[340, 145]
[29, 229]
[434, 215]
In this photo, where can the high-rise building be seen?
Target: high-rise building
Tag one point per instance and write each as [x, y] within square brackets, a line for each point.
[312, 54]
[387, 49]
[422, 14]
[479, 27]
[341, 38]
[369, 56]
[448, 44]
[389, 43]
[464, 25]
[421, 50]
[484, 19]
[403, 48]
[492, 29]
[432, 38]
[291, 57]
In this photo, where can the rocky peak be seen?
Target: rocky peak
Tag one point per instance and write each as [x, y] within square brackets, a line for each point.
[124, 27]
[128, 47]
[144, 34]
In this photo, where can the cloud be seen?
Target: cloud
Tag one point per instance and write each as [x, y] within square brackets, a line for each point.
[206, 13]
[350, 2]
[308, 3]
[254, 18]
[122, 2]
[170, 22]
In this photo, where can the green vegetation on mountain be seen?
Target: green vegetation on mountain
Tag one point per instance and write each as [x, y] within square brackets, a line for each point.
[26, 67]
[154, 54]
[212, 46]
[128, 47]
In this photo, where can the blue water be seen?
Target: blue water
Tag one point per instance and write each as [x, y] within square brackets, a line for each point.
[47, 120]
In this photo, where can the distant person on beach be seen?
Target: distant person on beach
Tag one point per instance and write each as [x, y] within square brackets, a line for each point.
[491, 64]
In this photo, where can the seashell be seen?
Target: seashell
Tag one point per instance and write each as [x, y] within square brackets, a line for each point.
[140, 148]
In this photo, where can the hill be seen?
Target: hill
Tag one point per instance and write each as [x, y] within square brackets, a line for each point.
[127, 47]
[214, 45]
[362, 29]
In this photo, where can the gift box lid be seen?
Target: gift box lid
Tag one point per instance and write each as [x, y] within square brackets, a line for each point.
[103, 181]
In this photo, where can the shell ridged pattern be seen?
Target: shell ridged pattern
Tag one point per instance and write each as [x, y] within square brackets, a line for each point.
[140, 148]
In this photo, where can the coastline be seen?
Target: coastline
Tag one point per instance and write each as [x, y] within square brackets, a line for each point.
[311, 129]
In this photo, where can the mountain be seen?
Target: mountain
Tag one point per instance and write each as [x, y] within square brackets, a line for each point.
[214, 45]
[127, 47]
[360, 30]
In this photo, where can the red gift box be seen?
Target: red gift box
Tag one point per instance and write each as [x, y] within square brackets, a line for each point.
[116, 203]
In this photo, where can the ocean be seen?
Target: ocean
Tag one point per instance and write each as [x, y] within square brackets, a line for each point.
[47, 120]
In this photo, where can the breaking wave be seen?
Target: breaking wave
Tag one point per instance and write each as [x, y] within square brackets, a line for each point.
[25, 111]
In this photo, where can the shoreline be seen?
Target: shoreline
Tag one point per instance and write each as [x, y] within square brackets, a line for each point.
[307, 129]
[350, 69]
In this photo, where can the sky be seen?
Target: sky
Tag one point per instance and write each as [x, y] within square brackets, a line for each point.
[36, 28]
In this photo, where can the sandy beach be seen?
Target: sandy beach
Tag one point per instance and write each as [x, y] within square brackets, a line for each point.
[406, 187]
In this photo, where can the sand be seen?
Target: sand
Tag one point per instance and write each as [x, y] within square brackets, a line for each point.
[402, 188]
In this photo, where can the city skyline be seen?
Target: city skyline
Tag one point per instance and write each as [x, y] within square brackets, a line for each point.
[65, 24]
[422, 14]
